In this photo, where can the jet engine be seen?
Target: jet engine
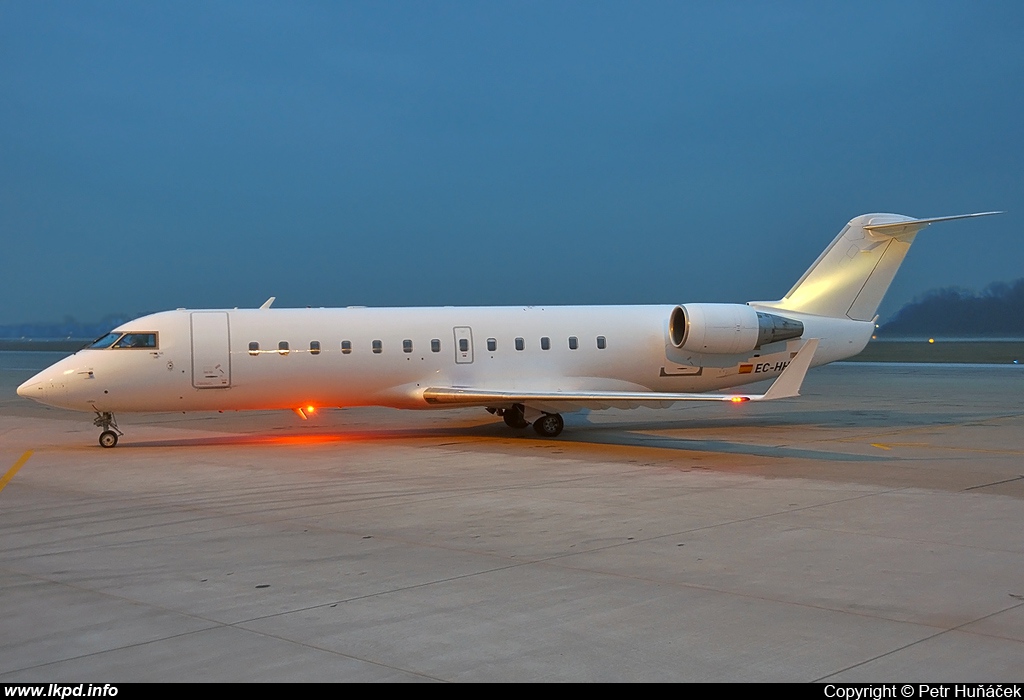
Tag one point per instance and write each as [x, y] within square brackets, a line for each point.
[727, 328]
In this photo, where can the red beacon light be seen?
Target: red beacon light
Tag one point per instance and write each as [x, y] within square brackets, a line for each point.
[739, 399]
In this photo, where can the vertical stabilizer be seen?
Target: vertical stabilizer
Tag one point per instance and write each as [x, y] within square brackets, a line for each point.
[850, 278]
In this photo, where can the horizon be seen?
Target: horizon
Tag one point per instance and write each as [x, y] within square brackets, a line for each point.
[990, 293]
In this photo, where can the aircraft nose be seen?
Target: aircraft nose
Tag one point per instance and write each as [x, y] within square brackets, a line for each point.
[38, 386]
[55, 385]
[31, 389]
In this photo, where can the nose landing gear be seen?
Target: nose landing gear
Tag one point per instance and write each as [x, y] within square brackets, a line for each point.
[105, 420]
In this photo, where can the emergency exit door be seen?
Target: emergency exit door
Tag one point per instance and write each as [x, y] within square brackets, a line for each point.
[463, 345]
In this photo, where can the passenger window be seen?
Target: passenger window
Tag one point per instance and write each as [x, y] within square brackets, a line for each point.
[282, 347]
[520, 344]
[254, 349]
[601, 343]
[492, 344]
[435, 345]
[545, 343]
[314, 347]
[463, 345]
[137, 340]
[574, 342]
[346, 347]
[377, 347]
[407, 346]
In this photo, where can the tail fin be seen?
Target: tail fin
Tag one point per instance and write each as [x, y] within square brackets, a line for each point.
[850, 278]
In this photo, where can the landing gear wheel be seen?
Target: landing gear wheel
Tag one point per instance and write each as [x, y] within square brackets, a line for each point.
[105, 421]
[513, 418]
[549, 425]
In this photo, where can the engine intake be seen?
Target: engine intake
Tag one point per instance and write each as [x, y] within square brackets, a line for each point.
[727, 328]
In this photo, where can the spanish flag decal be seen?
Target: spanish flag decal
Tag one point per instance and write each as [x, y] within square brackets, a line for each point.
[746, 369]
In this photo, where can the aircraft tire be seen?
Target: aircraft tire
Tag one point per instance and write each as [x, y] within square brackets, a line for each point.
[549, 425]
[108, 438]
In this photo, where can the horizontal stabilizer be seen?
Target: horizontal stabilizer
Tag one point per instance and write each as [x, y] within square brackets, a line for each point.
[921, 223]
[787, 385]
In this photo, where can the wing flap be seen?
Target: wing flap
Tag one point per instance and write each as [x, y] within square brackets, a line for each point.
[785, 386]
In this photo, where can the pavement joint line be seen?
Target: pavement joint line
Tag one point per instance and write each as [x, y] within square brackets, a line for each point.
[994, 483]
[281, 516]
[918, 641]
[14, 470]
[213, 625]
[227, 625]
[99, 652]
[554, 559]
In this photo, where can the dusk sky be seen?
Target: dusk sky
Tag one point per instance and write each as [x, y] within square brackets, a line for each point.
[212, 154]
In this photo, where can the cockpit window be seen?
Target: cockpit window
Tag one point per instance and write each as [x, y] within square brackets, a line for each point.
[137, 340]
[106, 341]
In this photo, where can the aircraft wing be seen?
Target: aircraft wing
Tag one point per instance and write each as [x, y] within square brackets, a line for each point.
[785, 386]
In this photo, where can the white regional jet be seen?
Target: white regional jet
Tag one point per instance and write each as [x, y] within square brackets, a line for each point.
[526, 364]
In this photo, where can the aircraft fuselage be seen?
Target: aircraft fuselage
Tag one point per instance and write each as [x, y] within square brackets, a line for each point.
[206, 360]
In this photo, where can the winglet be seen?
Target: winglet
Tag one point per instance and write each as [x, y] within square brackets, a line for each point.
[268, 302]
[789, 382]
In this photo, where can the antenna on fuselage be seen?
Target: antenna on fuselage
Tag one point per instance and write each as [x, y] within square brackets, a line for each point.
[268, 302]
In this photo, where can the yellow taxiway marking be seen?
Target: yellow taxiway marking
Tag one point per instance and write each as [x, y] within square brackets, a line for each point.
[929, 446]
[14, 470]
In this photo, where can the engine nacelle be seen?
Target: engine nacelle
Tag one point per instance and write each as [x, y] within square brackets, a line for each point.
[727, 329]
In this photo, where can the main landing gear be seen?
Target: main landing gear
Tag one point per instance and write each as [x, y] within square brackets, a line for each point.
[514, 417]
[547, 425]
[105, 420]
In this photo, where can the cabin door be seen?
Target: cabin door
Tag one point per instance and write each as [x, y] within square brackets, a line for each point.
[211, 355]
[463, 345]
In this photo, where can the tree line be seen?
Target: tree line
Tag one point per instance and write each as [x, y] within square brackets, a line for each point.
[997, 311]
